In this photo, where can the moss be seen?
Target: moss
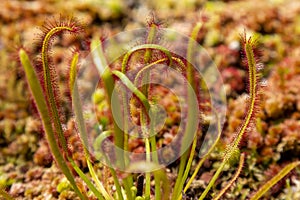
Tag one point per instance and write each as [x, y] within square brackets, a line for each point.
[63, 185]
[276, 135]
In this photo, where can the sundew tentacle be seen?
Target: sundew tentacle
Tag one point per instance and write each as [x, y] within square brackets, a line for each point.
[70, 26]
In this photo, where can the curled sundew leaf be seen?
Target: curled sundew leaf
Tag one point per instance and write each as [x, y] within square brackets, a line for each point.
[142, 47]
[151, 65]
[51, 87]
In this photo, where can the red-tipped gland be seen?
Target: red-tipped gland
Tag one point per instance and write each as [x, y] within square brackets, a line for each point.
[153, 21]
[73, 25]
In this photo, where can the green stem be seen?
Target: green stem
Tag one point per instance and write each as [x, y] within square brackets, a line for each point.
[189, 163]
[191, 126]
[236, 175]
[275, 180]
[204, 157]
[153, 139]
[128, 181]
[164, 184]
[190, 50]
[121, 138]
[213, 180]
[98, 142]
[98, 182]
[83, 132]
[88, 182]
[106, 75]
[248, 47]
[176, 190]
[145, 87]
[148, 175]
[125, 80]
[77, 105]
[147, 107]
[128, 184]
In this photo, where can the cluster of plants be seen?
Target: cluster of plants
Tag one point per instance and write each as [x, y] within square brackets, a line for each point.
[44, 88]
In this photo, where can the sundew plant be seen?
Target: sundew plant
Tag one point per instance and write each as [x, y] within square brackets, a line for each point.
[138, 71]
